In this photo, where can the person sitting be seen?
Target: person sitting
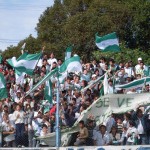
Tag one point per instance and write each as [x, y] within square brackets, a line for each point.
[90, 127]
[114, 137]
[43, 133]
[83, 134]
[101, 138]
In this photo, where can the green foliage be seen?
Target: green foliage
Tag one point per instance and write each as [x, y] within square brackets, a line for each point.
[125, 55]
[76, 22]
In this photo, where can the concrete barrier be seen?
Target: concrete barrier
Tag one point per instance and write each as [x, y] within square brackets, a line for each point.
[136, 147]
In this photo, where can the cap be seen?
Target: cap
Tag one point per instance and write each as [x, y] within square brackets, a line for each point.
[102, 125]
[94, 75]
[139, 58]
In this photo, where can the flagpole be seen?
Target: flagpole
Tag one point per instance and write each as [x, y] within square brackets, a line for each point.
[58, 138]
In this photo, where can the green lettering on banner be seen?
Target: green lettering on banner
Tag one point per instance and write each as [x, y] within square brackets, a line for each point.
[99, 104]
[128, 102]
[120, 101]
[103, 103]
[106, 102]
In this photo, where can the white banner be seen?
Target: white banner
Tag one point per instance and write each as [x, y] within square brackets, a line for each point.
[114, 103]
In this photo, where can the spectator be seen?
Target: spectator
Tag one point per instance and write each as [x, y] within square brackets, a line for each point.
[132, 134]
[43, 133]
[20, 126]
[129, 70]
[114, 137]
[90, 127]
[102, 63]
[140, 124]
[101, 138]
[142, 70]
[77, 93]
[8, 131]
[51, 60]
[127, 117]
[83, 134]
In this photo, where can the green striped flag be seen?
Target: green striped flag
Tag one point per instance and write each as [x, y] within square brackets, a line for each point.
[72, 64]
[48, 91]
[25, 63]
[3, 90]
[134, 84]
[108, 43]
[68, 52]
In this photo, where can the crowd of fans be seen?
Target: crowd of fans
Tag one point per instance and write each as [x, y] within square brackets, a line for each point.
[24, 118]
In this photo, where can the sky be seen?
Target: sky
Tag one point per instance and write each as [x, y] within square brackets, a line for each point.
[18, 19]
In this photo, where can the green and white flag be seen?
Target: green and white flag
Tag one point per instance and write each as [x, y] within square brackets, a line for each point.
[108, 43]
[70, 65]
[134, 84]
[48, 91]
[3, 90]
[25, 63]
[68, 52]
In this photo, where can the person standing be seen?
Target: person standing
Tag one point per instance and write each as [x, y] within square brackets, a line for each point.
[20, 126]
[140, 123]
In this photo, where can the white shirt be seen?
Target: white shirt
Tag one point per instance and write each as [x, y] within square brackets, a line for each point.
[6, 126]
[36, 127]
[78, 100]
[140, 128]
[39, 64]
[100, 141]
[20, 119]
[110, 89]
[51, 61]
[102, 65]
[125, 124]
[138, 67]
[16, 99]
[133, 132]
[129, 71]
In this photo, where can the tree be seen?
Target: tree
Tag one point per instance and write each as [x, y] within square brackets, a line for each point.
[77, 21]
